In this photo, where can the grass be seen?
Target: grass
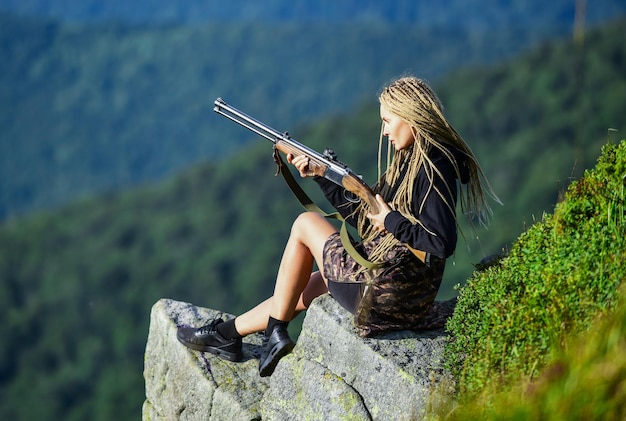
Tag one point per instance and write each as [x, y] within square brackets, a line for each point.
[540, 334]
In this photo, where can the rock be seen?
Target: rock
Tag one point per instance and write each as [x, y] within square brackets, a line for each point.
[189, 385]
[331, 374]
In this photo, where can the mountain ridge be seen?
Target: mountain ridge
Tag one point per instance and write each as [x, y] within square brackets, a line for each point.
[92, 109]
[473, 14]
[83, 277]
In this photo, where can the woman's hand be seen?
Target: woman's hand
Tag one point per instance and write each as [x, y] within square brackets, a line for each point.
[301, 162]
[378, 219]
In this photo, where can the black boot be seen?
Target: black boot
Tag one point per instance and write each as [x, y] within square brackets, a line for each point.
[276, 345]
[208, 339]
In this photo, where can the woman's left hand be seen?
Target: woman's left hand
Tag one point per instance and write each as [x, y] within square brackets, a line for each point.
[378, 219]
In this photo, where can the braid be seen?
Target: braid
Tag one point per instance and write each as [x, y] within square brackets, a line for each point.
[413, 101]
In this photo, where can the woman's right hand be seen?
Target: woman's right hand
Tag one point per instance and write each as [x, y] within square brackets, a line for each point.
[301, 162]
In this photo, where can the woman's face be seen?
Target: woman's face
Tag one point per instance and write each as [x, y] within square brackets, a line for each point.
[397, 130]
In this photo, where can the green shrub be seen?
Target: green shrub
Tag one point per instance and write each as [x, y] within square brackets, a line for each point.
[586, 380]
[559, 275]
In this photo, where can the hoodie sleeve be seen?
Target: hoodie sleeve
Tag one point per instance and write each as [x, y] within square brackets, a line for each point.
[436, 231]
[336, 195]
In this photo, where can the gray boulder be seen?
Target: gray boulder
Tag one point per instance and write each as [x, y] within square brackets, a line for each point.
[332, 373]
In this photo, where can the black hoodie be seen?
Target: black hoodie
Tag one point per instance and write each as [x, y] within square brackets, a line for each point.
[437, 231]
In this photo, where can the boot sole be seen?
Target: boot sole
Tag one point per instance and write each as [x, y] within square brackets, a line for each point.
[279, 350]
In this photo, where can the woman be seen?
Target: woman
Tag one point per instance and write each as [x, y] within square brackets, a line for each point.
[417, 195]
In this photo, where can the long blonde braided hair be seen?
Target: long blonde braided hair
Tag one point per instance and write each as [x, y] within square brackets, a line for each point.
[413, 101]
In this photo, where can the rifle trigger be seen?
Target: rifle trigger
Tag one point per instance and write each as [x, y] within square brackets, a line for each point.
[351, 197]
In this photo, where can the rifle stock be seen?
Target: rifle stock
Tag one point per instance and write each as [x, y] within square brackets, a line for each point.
[354, 184]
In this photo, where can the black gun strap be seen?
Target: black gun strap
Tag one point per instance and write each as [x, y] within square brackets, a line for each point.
[310, 206]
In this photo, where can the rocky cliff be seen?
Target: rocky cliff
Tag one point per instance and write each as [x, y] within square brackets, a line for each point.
[331, 374]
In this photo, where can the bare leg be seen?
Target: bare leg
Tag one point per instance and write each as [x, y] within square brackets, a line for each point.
[295, 286]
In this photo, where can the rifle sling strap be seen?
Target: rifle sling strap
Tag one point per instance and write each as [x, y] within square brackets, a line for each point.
[308, 204]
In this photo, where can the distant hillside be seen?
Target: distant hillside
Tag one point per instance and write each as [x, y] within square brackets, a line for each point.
[539, 122]
[474, 14]
[77, 284]
[91, 108]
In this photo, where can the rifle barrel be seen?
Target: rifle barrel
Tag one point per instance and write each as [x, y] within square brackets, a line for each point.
[250, 123]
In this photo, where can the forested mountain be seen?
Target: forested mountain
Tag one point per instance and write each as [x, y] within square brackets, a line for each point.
[91, 107]
[490, 14]
[539, 123]
[78, 283]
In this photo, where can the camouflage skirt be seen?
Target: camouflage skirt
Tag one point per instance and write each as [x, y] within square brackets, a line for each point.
[394, 297]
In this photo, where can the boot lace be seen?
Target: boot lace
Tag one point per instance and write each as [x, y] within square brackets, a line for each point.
[210, 328]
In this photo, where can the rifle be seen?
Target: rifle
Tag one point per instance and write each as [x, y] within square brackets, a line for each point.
[324, 165]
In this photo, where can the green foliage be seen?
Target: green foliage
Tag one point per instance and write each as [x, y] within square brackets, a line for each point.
[585, 380]
[77, 284]
[92, 108]
[535, 125]
[452, 13]
[560, 275]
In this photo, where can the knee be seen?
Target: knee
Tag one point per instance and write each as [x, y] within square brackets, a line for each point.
[305, 222]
